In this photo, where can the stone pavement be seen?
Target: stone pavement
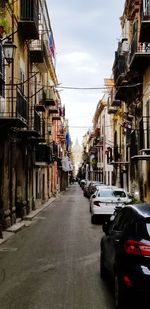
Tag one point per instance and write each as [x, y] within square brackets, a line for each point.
[26, 222]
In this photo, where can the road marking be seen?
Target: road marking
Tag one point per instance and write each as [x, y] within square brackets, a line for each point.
[6, 249]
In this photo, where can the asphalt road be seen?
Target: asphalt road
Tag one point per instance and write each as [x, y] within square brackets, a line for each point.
[54, 263]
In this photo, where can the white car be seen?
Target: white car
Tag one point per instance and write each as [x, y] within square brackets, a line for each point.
[94, 195]
[105, 200]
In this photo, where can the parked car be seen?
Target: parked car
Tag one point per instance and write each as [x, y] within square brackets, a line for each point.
[125, 254]
[82, 183]
[105, 200]
[85, 189]
[94, 195]
[92, 187]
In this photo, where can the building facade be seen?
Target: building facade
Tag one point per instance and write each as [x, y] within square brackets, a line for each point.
[32, 118]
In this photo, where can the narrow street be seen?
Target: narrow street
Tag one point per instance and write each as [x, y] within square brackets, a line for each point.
[54, 263]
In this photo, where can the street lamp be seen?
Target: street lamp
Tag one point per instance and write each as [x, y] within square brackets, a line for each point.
[9, 49]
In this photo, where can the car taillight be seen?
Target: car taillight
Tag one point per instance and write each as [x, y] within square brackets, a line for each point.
[97, 203]
[127, 281]
[137, 248]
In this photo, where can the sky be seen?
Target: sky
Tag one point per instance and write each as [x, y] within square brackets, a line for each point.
[86, 35]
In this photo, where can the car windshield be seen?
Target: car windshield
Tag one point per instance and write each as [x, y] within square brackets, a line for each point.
[105, 193]
[119, 193]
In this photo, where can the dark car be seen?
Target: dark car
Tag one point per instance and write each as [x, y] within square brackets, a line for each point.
[92, 187]
[85, 189]
[125, 254]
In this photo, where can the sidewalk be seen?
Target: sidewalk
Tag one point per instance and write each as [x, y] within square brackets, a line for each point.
[26, 222]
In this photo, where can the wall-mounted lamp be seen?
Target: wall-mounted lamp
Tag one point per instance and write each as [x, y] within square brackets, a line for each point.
[9, 49]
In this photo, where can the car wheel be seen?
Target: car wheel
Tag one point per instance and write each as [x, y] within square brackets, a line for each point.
[119, 294]
[102, 267]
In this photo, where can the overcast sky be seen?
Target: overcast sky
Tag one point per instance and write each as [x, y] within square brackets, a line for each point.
[86, 34]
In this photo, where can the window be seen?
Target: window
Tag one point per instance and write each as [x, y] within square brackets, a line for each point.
[22, 80]
[105, 193]
[143, 229]
[124, 219]
[119, 193]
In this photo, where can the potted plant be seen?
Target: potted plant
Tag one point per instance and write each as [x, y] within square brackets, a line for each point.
[4, 26]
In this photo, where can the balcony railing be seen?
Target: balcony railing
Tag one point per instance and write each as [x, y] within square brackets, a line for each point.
[50, 99]
[37, 51]
[15, 107]
[34, 121]
[21, 106]
[139, 54]
[28, 23]
[120, 70]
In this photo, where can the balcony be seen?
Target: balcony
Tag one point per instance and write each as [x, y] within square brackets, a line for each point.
[116, 103]
[56, 117]
[53, 110]
[120, 70]
[139, 55]
[28, 23]
[112, 109]
[13, 111]
[34, 128]
[145, 24]
[40, 104]
[50, 99]
[32, 132]
[37, 51]
[43, 154]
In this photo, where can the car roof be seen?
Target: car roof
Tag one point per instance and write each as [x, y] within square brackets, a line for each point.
[101, 187]
[142, 209]
[118, 189]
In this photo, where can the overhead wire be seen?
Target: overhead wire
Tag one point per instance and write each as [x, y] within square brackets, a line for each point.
[97, 88]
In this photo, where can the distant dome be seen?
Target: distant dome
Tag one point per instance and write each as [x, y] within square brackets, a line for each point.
[77, 147]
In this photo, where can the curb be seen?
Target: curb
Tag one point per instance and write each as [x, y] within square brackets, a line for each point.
[12, 230]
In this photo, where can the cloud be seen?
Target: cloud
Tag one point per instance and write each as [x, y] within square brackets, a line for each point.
[86, 35]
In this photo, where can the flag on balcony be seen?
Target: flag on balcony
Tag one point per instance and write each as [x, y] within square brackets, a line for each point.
[52, 45]
[68, 142]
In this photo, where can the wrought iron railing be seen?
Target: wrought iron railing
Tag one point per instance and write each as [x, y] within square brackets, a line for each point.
[21, 105]
[15, 104]
[34, 120]
[137, 47]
